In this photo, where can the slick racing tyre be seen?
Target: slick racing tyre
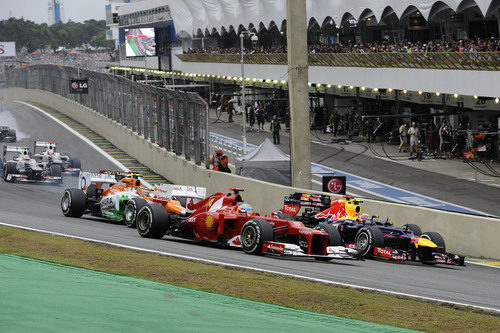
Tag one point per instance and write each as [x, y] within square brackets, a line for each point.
[73, 202]
[437, 239]
[130, 212]
[152, 221]
[334, 238]
[75, 163]
[56, 171]
[253, 235]
[414, 228]
[8, 169]
[367, 239]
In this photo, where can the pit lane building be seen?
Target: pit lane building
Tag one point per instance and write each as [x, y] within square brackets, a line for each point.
[457, 83]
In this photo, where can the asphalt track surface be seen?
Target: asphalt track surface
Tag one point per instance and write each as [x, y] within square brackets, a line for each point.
[477, 196]
[37, 206]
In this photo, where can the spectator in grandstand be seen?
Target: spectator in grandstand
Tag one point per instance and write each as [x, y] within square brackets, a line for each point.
[414, 134]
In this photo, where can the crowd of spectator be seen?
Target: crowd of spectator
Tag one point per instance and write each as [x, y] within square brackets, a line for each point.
[91, 60]
[473, 45]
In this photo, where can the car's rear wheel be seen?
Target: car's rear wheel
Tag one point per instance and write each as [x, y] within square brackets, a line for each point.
[152, 221]
[73, 202]
[414, 228]
[130, 212]
[367, 238]
[253, 235]
[334, 238]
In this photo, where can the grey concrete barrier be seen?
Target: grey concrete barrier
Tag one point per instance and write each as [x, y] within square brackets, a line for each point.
[464, 234]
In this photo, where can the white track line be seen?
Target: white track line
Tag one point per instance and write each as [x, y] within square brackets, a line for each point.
[249, 268]
[87, 141]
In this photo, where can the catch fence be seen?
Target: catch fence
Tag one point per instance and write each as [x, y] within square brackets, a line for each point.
[177, 121]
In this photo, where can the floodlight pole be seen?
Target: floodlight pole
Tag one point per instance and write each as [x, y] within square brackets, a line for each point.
[243, 102]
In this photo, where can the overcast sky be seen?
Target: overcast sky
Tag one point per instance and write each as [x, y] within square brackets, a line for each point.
[36, 10]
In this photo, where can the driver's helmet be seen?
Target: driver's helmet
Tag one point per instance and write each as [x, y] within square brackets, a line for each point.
[50, 150]
[245, 208]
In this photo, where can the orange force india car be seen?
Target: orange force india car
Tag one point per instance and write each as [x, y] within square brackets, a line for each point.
[371, 236]
[118, 196]
[223, 218]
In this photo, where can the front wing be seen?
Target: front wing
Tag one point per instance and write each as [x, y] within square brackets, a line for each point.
[23, 178]
[332, 252]
[437, 257]
[72, 171]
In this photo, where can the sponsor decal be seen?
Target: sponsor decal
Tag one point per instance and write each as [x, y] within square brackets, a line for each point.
[384, 252]
[291, 209]
[78, 86]
[84, 183]
[276, 247]
[305, 231]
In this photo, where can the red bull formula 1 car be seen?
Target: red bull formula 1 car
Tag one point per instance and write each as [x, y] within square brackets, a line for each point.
[223, 218]
[371, 236]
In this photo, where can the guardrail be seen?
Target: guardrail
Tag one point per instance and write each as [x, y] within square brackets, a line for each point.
[470, 235]
[489, 61]
[177, 121]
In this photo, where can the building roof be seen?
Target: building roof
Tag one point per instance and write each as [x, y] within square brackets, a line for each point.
[193, 16]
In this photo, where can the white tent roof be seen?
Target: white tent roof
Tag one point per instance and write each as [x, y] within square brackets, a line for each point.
[191, 15]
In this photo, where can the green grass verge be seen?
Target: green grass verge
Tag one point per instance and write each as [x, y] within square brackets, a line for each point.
[286, 291]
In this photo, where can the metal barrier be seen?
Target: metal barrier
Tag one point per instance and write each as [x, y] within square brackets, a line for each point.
[176, 121]
[421, 60]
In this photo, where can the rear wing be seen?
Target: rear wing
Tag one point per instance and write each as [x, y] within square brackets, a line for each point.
[87, 178]
[15, 149]
[183, 191]
[44, 144]
[293, 202]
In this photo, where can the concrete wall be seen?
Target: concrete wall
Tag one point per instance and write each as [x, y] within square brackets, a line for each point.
[480, 83]
[464, 234]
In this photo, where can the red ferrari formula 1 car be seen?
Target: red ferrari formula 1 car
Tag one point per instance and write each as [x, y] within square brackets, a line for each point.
[371, 236]
[223, 218]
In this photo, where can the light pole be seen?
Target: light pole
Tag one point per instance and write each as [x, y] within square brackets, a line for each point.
[254, 40]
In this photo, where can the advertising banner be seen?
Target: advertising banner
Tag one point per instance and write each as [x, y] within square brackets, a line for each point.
[7, 49]
[335, 185]
[78, 86]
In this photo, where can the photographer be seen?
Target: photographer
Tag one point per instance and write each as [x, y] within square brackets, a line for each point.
[216, 157]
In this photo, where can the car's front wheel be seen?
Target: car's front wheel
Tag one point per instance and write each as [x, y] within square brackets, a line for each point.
[253, 235]
[130, 212]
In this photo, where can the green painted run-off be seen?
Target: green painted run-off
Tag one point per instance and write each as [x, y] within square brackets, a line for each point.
[37, 296]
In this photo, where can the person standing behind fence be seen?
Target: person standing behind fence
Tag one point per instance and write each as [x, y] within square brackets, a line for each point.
[223, 165]
[260, 118]
[403, 137]
[414, 134]
[275, 128]
[251, 116]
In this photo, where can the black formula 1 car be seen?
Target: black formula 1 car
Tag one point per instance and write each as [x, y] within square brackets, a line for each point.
[50, 157]
[7, 134]
[22, 168]
[368, 234]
